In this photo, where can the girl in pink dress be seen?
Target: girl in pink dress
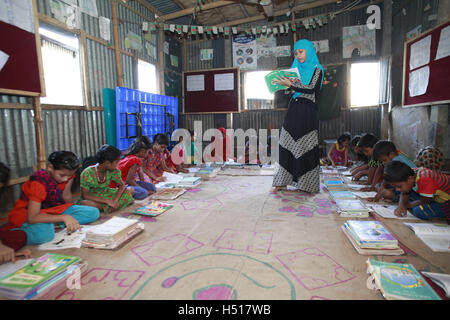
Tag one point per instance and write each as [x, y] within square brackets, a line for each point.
[338, 153]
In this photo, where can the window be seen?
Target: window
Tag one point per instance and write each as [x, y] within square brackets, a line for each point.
[256, 92]
[62, 71]
[365, 84]
[147, 79]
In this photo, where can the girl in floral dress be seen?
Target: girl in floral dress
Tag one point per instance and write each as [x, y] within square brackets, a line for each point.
[96, 179]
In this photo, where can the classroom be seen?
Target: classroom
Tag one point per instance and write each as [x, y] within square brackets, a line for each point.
[224, 150]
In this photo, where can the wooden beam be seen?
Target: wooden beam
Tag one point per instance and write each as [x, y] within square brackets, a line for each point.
[85, 70]
[161, 61]
[300, 7]
[185, 12]
[21, 106]
[117, 44]
[40, 141]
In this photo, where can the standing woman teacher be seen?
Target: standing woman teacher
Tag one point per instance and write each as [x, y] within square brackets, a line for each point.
[299, 139]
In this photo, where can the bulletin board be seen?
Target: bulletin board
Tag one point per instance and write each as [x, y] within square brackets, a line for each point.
[426, 75]
[211, 91]
[22, 72]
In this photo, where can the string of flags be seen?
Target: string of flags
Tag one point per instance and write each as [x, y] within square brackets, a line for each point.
[275, 29]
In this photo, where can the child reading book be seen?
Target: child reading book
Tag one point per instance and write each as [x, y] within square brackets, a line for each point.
[176, 163]
[130, 167]
[426, 192]
[95, 181]
[362, 168]
[338, 153]
[46, 199]
[11, 241]
[154, 163]
[386, 151]
[375, 174]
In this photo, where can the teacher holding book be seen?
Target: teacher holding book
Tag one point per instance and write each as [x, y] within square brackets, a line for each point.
[299, 139]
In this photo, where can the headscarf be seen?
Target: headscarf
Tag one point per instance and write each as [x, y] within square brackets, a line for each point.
[307, 68]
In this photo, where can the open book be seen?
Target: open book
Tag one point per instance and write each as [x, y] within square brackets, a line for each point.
[288, 73]
[441, 279]
[435, 236]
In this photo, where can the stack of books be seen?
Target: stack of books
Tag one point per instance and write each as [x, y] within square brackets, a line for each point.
[189, 182]
[234, 165]
[342, 194]
[207, 173]
[335, 185]
[168, 194]
[112, 233]
[153, 209]
[398, 281]
[371, 238]
[44, 277]
[352, 208]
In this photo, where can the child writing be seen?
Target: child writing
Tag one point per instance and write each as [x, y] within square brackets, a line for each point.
[11, 241]
[375, 174]
[96, 179]
[338, 153]
[131, 165]
[155, 162]
[46, 199]
[385, 151]
[361, 168]
[426, 192]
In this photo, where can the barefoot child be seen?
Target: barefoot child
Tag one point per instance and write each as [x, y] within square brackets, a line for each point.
[338, 153]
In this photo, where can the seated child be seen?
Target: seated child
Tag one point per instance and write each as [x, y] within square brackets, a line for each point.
[46, 199]
[375, 174]
[430, 157]
[191, 149]
[251, 155]
[11, 241]
[426, 192]
[361, 168]
[95, 181]
[338, 153]
[385, 151]
[130, 165]
[154, 163]
[179, 167]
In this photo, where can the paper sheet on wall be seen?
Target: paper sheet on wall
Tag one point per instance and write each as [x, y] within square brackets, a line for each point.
[443, 49]
[282, 51]
[206, 54]
[224, 82]
[195, 83]
[89, 7]
[418, 81]
[420, 53]
[18, 13]
[105, 30]
[70, 15]
[358, 38]
[71, 2]
[174, 60]
[3, 58]
[166, 47]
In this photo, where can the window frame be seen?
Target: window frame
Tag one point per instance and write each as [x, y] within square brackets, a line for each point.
[349, 74]
[244, 93]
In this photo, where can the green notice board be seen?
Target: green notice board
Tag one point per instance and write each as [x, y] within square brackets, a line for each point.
[109, 101]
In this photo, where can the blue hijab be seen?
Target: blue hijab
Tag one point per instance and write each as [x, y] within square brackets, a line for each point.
[307, 68]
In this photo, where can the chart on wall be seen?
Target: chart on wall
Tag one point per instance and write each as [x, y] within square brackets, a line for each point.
[245, 52]
[359, 40]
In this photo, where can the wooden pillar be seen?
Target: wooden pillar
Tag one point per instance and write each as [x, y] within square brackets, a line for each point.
[40, 141]
[84, 70]
[161, 61]
[386, 51]
[117, 43]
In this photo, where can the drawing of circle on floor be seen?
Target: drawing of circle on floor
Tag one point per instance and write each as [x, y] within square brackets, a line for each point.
[217, 276]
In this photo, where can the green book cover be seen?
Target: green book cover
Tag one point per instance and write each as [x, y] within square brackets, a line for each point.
[37, 272]
[269, 78]
[400, 281]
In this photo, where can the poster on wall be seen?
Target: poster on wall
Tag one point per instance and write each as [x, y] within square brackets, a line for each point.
[266, 46]
[206, 54]
[282, 51]
[89, 7]
[443, 49]
[19, 13]
[418, 81]
[321, 46]
[245, 52]
[224, 82]
[420, 53]
[195, 83]
[70, 15]
[358, 39]
[133, 41]
[104, 27]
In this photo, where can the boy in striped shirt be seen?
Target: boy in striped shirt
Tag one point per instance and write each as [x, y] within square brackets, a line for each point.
[426, 192]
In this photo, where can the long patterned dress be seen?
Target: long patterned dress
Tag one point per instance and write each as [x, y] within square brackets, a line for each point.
[299, 139]
[90, 182]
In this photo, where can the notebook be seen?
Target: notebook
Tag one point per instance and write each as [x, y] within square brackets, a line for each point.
[35, 275]
[153, 209]
[342, 194]
[372, 251]
[435, 236]
[66, 240]
[189, 182]
[398, 281]
[365, 194]
[112, 233]
[168, 194]
[355, 186]
[351, 205]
